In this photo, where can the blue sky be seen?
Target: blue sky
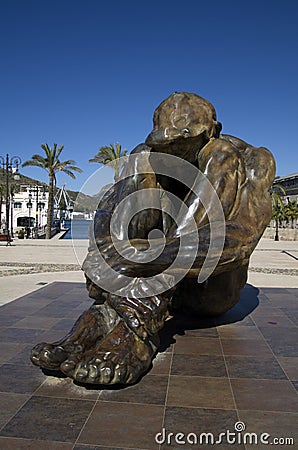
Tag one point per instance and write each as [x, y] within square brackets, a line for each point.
[89, 73]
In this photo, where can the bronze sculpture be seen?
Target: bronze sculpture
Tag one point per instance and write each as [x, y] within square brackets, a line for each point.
[116, 339]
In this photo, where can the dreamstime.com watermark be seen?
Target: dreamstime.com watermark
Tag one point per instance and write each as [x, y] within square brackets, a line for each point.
[237, 436]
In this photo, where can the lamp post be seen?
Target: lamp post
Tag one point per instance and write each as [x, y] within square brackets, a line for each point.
[11, 212]
[36, 209]
[29, 206]
[36, 193]
[41, 206]
[8, 164]
[276, 238]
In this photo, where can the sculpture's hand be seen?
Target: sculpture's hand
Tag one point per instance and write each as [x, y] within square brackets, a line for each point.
[132, 257]
[123, 260]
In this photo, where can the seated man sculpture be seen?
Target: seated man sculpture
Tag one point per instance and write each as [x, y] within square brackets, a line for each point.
[116, 339]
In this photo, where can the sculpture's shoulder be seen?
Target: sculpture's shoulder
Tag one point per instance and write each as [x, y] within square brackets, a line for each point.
[219, 154]
[138, 161]
[141, 148]
[259, 161]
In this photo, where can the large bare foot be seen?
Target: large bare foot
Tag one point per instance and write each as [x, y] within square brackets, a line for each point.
[121, 357]
[90, 327]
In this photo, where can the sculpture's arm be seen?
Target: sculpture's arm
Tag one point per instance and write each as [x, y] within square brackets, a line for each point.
[133, 261]
[224, 168]
[137, 187]
[222, 172]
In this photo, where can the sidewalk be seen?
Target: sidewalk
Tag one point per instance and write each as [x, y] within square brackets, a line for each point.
[209, 376]
[29, 264]
[274, 264]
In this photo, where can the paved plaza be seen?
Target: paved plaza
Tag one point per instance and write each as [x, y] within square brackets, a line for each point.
[209, 376]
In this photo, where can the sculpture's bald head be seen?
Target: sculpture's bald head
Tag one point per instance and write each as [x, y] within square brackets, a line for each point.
[182, 116]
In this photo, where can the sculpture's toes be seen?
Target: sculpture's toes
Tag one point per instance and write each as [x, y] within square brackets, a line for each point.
[120, 358]
[121, 373]
[48, 356]
[95, 371]
[102, 370]
[68, 366]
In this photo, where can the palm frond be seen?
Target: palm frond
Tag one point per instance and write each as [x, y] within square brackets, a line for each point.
[97, 159]
[34, 163]
[113, 155]
[59, 150]
[68, 172]
[68, 162]
[39, 158]
[75, 168]
[47, 150]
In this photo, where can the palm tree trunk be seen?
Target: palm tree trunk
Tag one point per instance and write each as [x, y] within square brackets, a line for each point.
[50, 207]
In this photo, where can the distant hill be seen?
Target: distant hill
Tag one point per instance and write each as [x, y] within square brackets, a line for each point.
[87, 203]
[16, 183]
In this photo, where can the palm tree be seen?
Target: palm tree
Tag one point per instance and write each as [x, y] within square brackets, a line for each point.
[277, 205]
[112, 155]
[291, 212]
[277, 191]
[52, 164]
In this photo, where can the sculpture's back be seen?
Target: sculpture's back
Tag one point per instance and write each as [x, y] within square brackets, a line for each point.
[248, 211]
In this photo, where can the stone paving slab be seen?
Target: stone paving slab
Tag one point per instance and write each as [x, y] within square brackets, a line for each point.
[208, 376]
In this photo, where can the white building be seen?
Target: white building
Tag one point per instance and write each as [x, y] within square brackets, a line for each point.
[28, 207]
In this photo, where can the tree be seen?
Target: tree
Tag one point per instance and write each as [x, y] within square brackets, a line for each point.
[52, 164]
[112, 155]
[291, 212]
[277, 205]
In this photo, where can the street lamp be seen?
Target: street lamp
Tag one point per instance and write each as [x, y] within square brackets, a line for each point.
[8, 165]
[11, 212]
[37, 195]
[38, 191]
[40, 206]
[29, 206]
[276, 238]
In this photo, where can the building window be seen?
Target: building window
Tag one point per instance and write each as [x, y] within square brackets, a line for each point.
[17, 205]
[25, 222]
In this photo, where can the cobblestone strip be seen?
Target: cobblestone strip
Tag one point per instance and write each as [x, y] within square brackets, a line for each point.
[27, 268]
[292, 272]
